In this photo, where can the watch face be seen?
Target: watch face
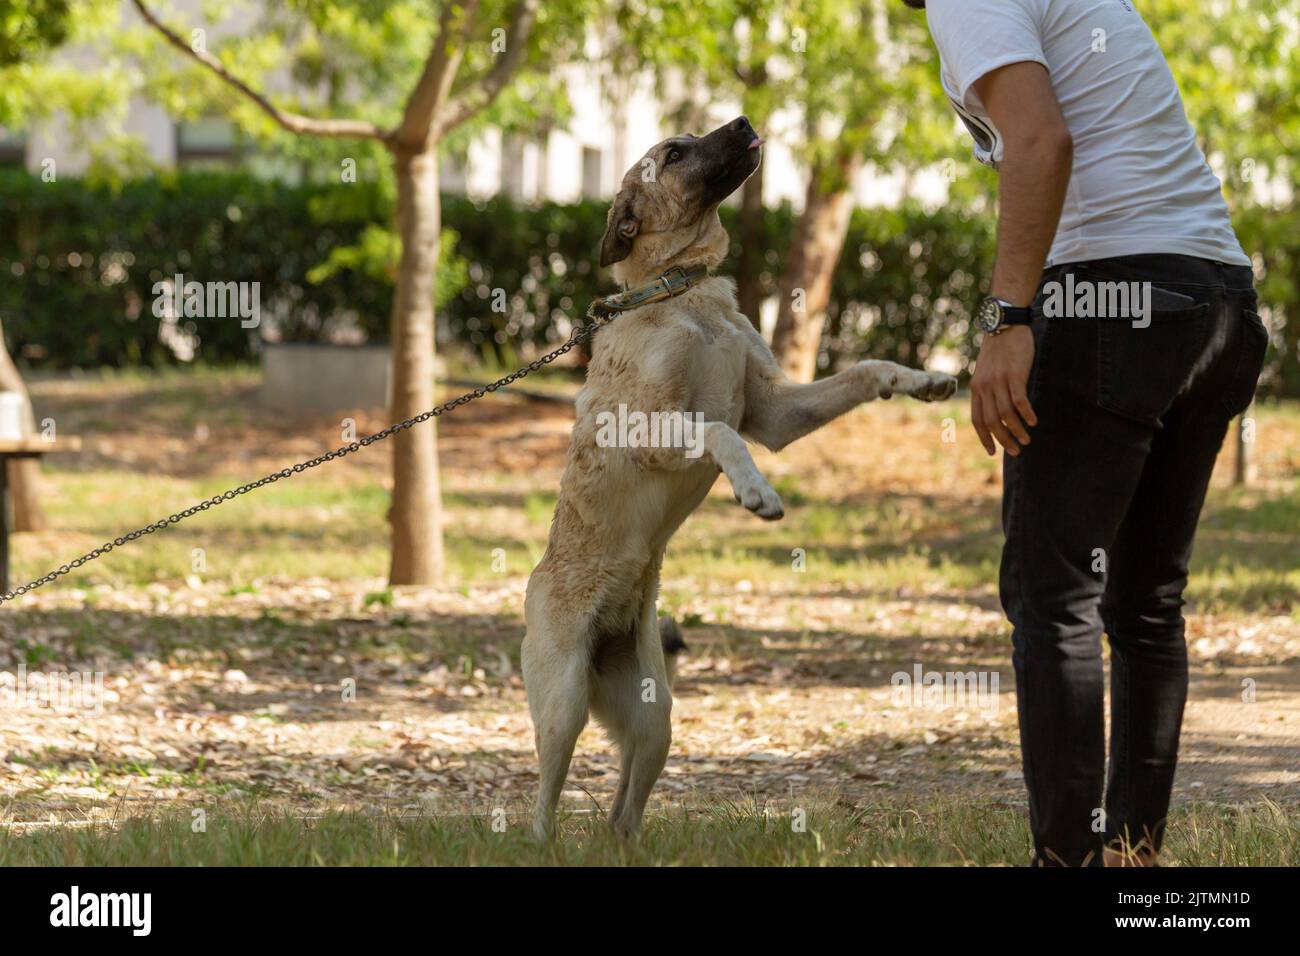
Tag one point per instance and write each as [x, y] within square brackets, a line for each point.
[989, 315]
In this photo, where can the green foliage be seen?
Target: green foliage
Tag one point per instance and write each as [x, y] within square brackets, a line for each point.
[357, 59]
[375, 256]
[82, 258]
[348, 58]
[1273, 236]
[33, 85]
[1238, 71]
[907, 282]
[544, 258]
[27, 26]
[864, 75]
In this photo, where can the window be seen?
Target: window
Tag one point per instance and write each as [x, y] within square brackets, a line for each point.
[512, 166]
[210, 141]
[453, 168]
[593, 163]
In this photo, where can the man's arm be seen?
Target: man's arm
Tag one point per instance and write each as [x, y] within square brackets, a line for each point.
[1037, 153]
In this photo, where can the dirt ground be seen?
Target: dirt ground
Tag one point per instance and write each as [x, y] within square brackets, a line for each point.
[213, 696]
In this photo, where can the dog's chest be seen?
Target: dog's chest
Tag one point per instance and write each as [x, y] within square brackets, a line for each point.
[717, 376]
[684, 362]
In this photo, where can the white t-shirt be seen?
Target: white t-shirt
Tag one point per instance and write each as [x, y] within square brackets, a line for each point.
[1139, 182]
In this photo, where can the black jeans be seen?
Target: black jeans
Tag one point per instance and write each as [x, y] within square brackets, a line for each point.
[1099, 513]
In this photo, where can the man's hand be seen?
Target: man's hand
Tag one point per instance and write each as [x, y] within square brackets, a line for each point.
[999, 404]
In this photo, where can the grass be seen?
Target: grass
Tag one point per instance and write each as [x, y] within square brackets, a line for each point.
[330, 522]
[896, 516]
[953, 833]
[313, 525]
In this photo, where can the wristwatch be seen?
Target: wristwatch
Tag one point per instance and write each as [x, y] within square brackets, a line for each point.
[994, 316]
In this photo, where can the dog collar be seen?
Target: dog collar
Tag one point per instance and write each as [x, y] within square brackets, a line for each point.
[669, 285]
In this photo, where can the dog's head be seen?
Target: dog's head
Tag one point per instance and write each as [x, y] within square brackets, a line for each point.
[666, 211]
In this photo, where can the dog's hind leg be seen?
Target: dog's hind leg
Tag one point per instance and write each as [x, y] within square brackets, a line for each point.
[559, 691]
[613, 703]
[652, 734]
[626, 751]
[617, 690]
[633, 700]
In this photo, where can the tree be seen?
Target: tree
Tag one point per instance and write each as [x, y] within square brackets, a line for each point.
[30, 27]
[852, 82]
[722, 47]
[1238, 73]
[865, 70]
[472, 53]
[27, 31]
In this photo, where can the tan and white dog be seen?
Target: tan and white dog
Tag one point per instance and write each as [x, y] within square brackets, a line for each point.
[593, 645]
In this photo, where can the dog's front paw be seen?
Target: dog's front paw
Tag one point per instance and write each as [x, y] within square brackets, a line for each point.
[759, 497]
[932, 386]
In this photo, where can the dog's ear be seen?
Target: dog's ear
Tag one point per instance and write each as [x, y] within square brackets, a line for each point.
[620, 229]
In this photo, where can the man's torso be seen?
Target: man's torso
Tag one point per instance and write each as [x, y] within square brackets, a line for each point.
[1139, 183]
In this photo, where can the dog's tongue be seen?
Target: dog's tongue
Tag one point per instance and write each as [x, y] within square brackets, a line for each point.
[756, 142]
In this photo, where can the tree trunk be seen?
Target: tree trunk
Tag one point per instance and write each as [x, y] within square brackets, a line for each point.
[24, 473]
[749, 267]
[620, 94]
[1242, 472]
[806, 284]
[416, 513]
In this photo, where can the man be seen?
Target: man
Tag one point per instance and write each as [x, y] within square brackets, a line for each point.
[1111, 395]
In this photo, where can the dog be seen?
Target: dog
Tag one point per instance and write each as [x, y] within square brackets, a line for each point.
[592, 644]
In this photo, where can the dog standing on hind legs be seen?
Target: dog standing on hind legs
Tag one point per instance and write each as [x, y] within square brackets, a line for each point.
[593, 644]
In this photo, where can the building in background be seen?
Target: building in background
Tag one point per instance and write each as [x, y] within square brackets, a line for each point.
[583, 160]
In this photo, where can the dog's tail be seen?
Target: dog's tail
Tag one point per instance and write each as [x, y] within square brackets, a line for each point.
[670, 637]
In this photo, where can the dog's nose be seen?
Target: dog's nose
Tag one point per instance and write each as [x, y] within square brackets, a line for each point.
[741, 126]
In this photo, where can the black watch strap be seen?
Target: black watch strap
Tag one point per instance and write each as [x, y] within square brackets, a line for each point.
[1017, 315]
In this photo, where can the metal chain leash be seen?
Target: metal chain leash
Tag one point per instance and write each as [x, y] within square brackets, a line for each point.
[582, 332]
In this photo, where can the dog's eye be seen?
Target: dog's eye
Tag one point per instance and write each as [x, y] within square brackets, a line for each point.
[672, 157]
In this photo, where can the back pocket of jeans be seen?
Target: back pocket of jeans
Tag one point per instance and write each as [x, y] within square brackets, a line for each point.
[1250, 362]
[1142, 368]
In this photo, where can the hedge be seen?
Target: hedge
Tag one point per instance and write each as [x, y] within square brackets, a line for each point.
[79, 261]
